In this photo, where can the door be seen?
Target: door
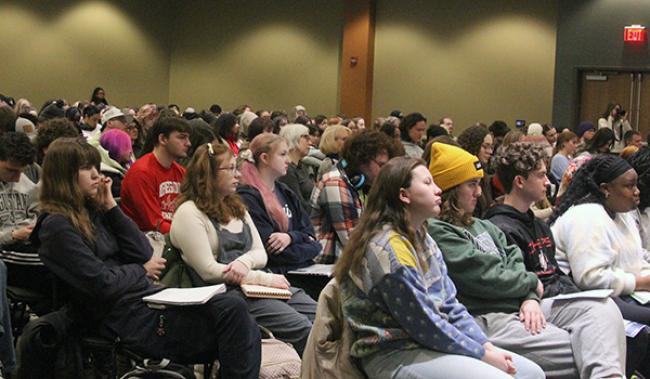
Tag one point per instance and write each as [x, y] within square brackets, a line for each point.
[643, 108]
[599, 88]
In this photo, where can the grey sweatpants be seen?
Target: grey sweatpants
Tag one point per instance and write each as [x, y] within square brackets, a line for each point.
[583, 338]
[430, 364]
[289, 320]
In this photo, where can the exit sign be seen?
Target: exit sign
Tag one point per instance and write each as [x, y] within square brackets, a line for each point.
[634, 33]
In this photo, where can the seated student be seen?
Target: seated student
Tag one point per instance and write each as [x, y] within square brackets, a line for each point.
[331, 144]
[151, 185]
[99, 253]
[412, 128]
[597, 238]
[299, 177]
[521, 168]
[641, 164]
[118, 145]
[226, 128]
[220, 243]
[505, 298]
[18, 212]
[396, 294]
[478, 141]
[338, 198]
[283, 224]
[564, 150]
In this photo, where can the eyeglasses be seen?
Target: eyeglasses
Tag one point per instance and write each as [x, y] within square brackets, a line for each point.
[233, 169]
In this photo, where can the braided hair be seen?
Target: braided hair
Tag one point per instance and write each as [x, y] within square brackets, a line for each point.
[640, 161]
[585, 186]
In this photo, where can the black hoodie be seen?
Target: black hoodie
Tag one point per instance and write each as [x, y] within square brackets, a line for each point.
[536, 242]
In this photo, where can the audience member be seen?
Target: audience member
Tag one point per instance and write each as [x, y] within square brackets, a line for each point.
[299, 178]
[90, 126]
[499, 129]
[219, 243]
[633, 138]
[615, 119]
[585, 132]
[600, 143]
[226, 127]
[566, 146]
[448, 124]
[245, 120]
[550, 133]
[478, 141]
[398, 298]
[641, 164]
[18, 212]
[490, 275]
[276, 210]
[595, 322]
[331, 143]
[337, 200]
[118, 145]
[98, 96]
[412, 130]
[434, 131]
[50, 131]
[106, 264]
[151, 185]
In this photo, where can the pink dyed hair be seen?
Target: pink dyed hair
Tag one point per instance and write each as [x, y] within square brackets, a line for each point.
[117, 142]
[264, 143]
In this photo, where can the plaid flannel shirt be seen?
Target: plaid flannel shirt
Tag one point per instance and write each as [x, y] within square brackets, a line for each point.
[335, 209]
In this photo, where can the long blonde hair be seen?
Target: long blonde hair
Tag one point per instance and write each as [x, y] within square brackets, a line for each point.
[384, 207]
[60, 192]
[201, 185]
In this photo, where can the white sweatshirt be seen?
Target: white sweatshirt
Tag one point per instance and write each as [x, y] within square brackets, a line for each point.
[599, 252]
[193, 233]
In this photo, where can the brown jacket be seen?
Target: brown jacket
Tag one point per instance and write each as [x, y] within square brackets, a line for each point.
[327, 353]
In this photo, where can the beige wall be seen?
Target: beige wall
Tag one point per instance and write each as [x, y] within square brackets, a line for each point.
[270, 54]
[65, 49]
[473, 63]
[437, 57]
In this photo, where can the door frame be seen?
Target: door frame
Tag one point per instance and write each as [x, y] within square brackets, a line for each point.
[577, 72]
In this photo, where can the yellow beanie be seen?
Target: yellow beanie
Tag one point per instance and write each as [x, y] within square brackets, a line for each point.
[451, 166]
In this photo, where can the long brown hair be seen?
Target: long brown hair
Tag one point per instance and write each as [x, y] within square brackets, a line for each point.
[60, 192]
[384, 207]
[451, 212]
[201, 184]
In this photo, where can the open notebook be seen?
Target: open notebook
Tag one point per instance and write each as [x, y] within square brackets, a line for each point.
[185, 296]
[251, 290]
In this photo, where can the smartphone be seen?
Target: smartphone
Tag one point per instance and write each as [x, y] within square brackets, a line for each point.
[520, 123]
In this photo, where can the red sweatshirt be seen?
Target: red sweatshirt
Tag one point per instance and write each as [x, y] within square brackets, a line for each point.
[149, 192]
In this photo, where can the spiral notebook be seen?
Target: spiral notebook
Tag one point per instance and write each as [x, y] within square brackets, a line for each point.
[255, 291]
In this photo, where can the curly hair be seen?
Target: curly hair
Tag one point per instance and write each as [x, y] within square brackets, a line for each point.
[17, 148]
[364, 147]
[450, 211]
[517, 159]
[51, 130]
[472, 138]
[640, 161]
[585, 186]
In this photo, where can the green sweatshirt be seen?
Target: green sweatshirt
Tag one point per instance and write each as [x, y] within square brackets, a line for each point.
[489, 274]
